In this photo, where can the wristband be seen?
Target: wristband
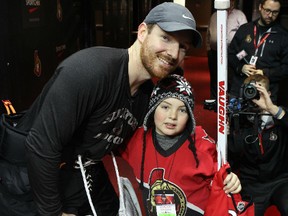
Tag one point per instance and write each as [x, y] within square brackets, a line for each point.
[279, 112]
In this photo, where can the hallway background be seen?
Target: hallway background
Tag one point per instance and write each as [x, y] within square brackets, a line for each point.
[35, 38]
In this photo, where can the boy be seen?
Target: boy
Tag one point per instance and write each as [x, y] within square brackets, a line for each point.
[178, 159]
[259, 148]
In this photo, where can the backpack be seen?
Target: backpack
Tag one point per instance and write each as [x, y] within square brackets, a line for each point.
[15, 192]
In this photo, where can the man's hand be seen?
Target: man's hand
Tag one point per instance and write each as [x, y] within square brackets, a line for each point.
[259, 71]
[248, 70]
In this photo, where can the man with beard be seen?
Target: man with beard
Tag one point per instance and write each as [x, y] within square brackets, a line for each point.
[94, 102]
[260, 47]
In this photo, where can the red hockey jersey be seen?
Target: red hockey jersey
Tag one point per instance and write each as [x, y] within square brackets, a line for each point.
[224, 205]
[176, 172]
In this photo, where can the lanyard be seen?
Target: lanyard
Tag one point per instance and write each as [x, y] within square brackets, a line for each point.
[261, 143]
[262, 40]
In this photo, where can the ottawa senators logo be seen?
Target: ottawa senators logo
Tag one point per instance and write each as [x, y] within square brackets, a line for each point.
[273, 136]
[165, 192]
[248, 39]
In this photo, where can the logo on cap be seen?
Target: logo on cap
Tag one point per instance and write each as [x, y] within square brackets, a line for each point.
[186, 17]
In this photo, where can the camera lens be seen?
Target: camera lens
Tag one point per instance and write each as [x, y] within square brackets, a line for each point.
[250, 92]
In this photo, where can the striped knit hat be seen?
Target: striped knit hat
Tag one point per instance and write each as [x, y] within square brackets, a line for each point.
[172, 86]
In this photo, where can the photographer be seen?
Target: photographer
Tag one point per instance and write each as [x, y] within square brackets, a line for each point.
[258, 149]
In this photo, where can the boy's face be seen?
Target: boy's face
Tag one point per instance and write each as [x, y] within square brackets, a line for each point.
[260, 83]
[170, 117]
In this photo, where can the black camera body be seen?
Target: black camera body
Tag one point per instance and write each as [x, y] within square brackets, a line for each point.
[249, 91]
[244, 103]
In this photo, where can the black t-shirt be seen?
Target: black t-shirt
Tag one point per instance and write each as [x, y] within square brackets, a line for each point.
[86, 108]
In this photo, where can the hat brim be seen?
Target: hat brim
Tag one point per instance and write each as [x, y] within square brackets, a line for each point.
[175, 26]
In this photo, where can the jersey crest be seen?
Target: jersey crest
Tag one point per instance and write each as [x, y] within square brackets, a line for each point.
[165, 197]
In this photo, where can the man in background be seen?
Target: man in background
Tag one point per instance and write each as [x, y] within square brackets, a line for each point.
[260, 47]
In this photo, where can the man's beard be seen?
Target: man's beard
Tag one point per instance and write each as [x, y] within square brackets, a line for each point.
[149, 60]
[267, 24]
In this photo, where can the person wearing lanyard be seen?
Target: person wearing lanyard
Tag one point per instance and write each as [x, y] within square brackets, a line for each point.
[260, 47]
[258, 149]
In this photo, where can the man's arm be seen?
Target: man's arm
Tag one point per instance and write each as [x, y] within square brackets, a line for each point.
[64, 106]
[43, 178]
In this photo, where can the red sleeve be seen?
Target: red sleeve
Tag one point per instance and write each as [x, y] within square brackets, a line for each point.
[207, 144]
[133, 151]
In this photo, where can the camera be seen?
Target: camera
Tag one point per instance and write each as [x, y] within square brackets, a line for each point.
[249, 91]
[244, 103]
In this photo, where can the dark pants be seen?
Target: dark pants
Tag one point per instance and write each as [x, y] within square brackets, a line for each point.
[74, 197]
[267, 194]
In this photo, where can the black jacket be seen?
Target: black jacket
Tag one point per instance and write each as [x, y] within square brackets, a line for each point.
[259, 161]
[272, 54]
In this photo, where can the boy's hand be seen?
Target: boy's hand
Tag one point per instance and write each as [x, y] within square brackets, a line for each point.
[232, 184]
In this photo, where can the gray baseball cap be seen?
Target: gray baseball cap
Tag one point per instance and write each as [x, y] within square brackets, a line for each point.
[172, 17]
